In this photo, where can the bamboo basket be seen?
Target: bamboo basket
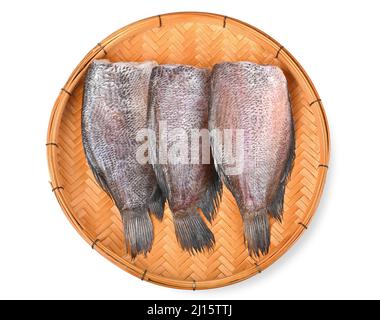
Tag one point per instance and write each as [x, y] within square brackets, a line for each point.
[200, 39]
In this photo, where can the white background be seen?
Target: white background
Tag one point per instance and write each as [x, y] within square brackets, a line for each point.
[337, 42]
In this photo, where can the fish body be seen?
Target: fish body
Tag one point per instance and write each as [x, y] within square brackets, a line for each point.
[179, 97]
[114, 110]
[254, 98]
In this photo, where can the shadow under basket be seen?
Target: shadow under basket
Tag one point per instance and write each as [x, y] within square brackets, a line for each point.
[199, 39]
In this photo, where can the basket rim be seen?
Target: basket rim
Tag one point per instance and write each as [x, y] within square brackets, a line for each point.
[98, 52]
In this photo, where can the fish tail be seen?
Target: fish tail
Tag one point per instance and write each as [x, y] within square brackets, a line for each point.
[138, 230]
[276, 208]
[256, 232]
[192, 232]
[157, 203]
[210, 201]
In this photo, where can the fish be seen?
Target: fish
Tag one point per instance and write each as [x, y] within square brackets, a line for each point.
[114, 109]
[255, 99]
[179, 97]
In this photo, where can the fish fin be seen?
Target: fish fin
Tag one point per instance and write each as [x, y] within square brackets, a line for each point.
[160, 177]
[159, 173]
[257, 232]
[210, 201]
[99, 177]
[192, 232]
[101, 181]
[276, 208]
[217, 160]
[138, 230]
[225, 178]
[157, 203]
[153, 147]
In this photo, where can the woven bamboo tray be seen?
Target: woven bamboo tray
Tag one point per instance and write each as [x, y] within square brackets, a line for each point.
[200, 39]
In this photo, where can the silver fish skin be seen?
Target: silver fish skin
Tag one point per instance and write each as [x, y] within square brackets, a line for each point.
[179, 95]
[254, 98]
[114, 110]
